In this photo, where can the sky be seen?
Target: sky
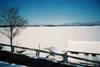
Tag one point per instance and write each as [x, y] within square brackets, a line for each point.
[56, 11]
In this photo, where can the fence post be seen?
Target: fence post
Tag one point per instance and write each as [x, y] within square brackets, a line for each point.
[65, 57]
[38, 52]
[1, 47]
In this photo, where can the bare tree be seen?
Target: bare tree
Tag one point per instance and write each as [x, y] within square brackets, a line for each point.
[13, 24]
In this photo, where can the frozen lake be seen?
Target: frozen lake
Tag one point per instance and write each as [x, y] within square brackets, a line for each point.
[75, 38]
[58, 37]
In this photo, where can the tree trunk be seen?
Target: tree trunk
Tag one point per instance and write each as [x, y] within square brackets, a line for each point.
[11, 40]
[12, 48]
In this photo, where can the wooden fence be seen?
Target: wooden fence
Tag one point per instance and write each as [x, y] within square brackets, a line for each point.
[65, 56]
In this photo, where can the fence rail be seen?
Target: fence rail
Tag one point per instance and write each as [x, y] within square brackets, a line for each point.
[83, 52]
